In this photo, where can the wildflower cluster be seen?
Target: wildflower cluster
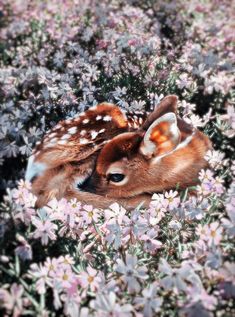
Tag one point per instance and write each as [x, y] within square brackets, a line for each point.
[176, 257]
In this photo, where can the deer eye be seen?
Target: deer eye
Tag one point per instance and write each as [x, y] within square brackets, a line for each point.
[116, 178]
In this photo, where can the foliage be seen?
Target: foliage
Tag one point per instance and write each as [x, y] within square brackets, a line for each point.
[58, 58]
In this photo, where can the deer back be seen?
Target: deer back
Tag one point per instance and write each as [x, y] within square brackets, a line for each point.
[66, 156]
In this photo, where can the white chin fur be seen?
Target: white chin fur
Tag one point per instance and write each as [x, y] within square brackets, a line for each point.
[34, 169]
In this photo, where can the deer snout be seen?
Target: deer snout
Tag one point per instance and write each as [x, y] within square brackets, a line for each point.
[88, 185]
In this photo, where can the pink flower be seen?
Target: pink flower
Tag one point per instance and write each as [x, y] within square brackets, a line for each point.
[72, 305]
[229, 224]
[157, 208]
[195, 120]
[215, 158]
[201, 232]
[51, 265]
[212, 233]
[209, 184]
[66, 261]
[208, 301]
[90, 214]
[12, 301]
[131, 273]
[24, 184]
[167, 201]
[171, 199]
[151, 245]
[105, 305]
[90, 279]
[115, 212]
[45, 229]
[56, 208]
[40, 272]
[23, 197]
[150, 301]
[25, 215]
[184, 81]
[65, 277]
[154, 215]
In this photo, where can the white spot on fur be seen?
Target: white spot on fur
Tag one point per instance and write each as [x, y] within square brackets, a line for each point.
[68, 121]
[52, 135]
[53, 141]
[83, 132]
[107, 118]
[58, 126]
[65, 137]
[93, 134]
[62, 142]
[98, 118]
[48, 145]
[85, 121]
[72, 130]
[83, 141]
[101, 131]
[34, 168]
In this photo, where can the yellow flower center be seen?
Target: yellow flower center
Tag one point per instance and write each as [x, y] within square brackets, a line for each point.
[90, 279]
[90, 214]
[65, 277]
[213, 233]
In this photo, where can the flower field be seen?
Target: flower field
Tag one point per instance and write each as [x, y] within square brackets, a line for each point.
[175, 258]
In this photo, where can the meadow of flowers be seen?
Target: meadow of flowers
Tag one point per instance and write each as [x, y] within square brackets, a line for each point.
[175, 258]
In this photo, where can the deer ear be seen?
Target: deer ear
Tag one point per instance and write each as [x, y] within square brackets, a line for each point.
[168, 104]
[162, 136]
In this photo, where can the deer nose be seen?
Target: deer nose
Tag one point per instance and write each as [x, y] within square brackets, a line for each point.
[88, 186]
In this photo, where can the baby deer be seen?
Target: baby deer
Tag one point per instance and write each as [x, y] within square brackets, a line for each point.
[106, 155]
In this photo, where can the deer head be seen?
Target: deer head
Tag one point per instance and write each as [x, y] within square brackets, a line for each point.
[123, 157]
[163, 153]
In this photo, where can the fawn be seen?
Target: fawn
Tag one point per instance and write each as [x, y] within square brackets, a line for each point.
[106, 155]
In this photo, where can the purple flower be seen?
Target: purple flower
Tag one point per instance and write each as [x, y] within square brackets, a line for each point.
[150, 302]
[151, 245]
[106, 305]
[24, 251]
[177, 279]
[131, 273]
[113, 235]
